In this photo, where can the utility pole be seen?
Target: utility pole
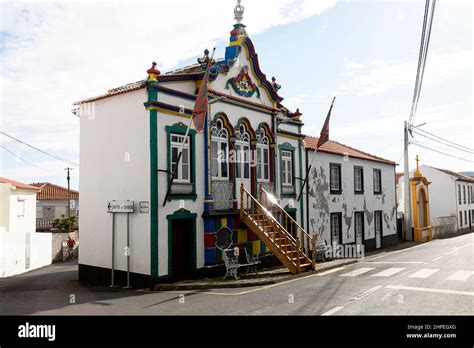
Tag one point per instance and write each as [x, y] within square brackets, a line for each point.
[68, 198]
[406, 183]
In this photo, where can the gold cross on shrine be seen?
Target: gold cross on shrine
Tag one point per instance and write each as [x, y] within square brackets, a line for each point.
[417, 162]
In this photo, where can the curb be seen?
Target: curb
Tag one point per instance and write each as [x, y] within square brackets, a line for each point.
[233, 285]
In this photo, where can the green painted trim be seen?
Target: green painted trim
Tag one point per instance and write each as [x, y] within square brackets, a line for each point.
[180, 128]
[153, 193]
[178, 215]
[287, 147]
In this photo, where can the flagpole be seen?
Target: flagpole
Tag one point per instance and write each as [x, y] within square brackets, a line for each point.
[173, 173]
[312, 159]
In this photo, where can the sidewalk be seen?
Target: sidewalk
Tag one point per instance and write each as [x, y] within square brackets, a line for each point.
[264, 277]
[273, 275]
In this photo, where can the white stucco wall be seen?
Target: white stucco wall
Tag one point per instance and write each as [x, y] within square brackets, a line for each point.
[10, 198]
[322, 202]
[443, 192]
[114, 159]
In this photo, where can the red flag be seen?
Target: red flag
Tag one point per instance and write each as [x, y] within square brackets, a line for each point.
[324, 136]
[200, 107]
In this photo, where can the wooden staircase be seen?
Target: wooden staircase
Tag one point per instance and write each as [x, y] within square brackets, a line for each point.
[285, 238]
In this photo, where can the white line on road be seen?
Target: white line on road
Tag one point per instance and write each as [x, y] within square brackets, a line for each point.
[436, 258]
[424, 273]
[397, 251]
[330, 271]
[439, 291]
[394, 262]
[358, 297]
[389, 272]
[357, 272]
[334, 310]
[460, 275]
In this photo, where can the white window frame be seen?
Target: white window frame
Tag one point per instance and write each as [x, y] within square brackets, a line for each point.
[287, 167]
[242, 158]
[338, 181]
[21, 207]
[221, 157]
[360, 170]
[377, 180]
[261, 164]
[185, 160]
[219, 138]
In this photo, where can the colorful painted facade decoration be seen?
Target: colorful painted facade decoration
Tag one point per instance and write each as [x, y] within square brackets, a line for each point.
[242, 84]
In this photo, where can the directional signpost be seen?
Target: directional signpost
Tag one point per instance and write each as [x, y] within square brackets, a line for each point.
[115, 207]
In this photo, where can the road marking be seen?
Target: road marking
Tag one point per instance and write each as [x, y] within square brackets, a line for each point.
[357, 272]
[439, 291]
[449, 253]
[460, 275]
[330, 271]
[389, 272]
[424, 273]
[436, 258]
[394, 262]
[334, 310]
[397, 251]
[358, 297]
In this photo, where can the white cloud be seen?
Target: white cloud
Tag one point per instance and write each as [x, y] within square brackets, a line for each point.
[54, 54]
[380, 76]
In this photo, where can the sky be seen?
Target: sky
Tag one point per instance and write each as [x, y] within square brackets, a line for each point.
[363, 52]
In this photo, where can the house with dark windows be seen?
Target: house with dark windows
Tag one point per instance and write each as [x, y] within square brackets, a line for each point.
[236, 184]
[350, 196]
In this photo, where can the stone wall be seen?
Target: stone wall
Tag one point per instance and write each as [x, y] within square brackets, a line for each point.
[59, 253]
[444, 226]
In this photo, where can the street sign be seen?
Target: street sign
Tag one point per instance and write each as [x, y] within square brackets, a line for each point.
[144, 207]
[120, 207]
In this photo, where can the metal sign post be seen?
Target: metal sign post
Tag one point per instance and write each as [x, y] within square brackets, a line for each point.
[127, 251]
[115, 207]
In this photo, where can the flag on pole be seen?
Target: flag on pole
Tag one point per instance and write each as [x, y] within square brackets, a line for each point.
[200, 107]
[324, 136]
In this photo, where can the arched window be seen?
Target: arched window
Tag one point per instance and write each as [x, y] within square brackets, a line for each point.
[263, 156]
[219, 151]
[242, 151]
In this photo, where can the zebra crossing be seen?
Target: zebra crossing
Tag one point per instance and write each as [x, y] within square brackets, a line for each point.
[424, 273]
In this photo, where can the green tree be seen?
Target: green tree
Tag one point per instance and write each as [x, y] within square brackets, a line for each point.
[63, 223]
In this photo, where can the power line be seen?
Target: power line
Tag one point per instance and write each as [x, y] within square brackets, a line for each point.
[21, 158]
[38, 149]
[425, 41]
[461, 147]
[440, 152]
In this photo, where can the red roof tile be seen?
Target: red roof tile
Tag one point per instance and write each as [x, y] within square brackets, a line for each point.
[18, 184]
[50, 191]
[341, 149]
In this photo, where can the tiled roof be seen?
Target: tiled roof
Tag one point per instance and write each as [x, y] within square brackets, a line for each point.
[50, 191]
[458, 176]
[341, 149]
[18, 184]
[115, 91]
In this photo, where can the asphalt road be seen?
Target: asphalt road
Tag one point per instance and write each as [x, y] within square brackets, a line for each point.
[436, 278]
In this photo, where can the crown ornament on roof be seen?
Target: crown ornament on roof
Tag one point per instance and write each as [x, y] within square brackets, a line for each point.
[238, 12]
